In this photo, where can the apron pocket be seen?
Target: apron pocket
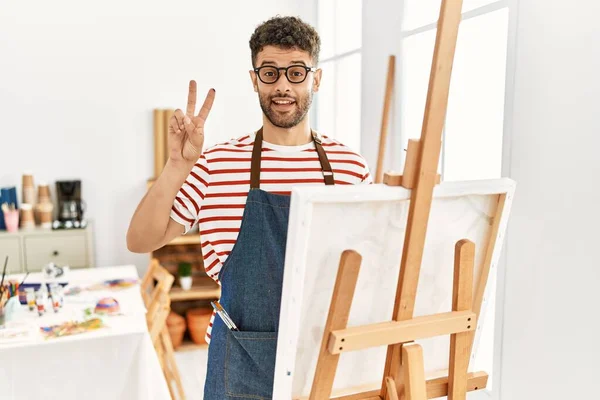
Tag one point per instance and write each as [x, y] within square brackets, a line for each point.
[250, 364]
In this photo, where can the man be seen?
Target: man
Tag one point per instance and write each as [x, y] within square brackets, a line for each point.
[239, 194]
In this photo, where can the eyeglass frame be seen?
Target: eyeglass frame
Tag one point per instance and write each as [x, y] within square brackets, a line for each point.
[308, 69]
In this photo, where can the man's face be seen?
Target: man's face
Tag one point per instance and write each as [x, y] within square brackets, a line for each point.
[285, 103]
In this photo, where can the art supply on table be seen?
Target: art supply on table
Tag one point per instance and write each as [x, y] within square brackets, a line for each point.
[11, 288]
[52, 271]
[3, 274]
[41, 299]
[71, 328]
[107, 305]
[4, 295]
[55, 295]
[114, 284]
[17, 331]
[30, 297]
[25, 277]
[224, 316]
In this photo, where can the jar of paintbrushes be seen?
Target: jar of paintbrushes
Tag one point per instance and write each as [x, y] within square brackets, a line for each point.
[4, 296]
[11, 217]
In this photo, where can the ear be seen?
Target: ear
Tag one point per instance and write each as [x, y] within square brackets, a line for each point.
[254, 80]
[317, 79]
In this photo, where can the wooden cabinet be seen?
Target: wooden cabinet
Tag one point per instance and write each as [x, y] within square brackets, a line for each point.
[30, 250]
[65, 249]
[11, 247]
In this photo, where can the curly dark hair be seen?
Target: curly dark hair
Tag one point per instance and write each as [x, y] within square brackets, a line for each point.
[285, 32]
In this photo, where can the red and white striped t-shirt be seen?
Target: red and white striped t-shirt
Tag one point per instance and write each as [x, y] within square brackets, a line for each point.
[214, 194]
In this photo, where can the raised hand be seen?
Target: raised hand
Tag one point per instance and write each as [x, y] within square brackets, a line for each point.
[186, 131]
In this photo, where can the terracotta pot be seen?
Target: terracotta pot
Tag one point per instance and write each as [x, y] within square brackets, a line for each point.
[176, 326]
[198, 320]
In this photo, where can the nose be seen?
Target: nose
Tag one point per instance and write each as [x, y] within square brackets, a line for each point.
[282, 84]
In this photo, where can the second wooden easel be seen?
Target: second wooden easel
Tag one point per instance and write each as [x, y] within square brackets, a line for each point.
[412, 151]
[404, 375]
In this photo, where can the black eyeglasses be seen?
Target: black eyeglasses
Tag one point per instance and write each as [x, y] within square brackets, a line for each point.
[294, 73]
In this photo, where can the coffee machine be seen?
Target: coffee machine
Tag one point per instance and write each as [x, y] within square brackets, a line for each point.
[70, 205]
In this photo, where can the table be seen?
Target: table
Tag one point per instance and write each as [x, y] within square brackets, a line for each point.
[115, 362]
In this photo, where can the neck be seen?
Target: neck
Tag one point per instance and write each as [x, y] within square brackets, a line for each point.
[295, 136]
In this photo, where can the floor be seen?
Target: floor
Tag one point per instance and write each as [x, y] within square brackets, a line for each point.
[192, 367]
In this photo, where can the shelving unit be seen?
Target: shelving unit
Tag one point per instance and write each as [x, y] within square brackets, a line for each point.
[185, 239]
[203, 288]
[188, 345]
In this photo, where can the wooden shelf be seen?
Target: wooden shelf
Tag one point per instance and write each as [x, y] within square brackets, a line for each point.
[188, 345]
[185, 239]
[203, 288]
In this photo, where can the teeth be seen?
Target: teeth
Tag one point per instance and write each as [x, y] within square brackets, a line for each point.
[282, 102]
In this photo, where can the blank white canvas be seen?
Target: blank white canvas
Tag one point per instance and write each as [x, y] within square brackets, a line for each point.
[371, 219]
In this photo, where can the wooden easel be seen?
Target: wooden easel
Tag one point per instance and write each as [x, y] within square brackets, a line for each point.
[158, 303]
[411, 158]
[404, 374]
[387, 103]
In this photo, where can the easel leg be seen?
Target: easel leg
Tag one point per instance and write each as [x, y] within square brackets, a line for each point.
[462, 299]
[171, 363]
[415, 387]
[339, 310]
[392, 393]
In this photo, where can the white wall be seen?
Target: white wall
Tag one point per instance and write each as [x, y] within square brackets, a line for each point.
[551, 323]
[79, 80]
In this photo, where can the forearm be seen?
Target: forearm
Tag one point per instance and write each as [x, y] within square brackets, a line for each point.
[148, 226]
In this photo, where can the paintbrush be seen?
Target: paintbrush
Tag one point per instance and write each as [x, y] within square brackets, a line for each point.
[3, 299]
[26, 275]
[3, 273]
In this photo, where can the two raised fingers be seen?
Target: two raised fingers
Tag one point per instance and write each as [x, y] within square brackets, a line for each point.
[191, 104]
[206, 107]
[185, 122]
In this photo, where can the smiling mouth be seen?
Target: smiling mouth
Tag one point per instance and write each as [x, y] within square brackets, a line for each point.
[283, 102]
[283, 106]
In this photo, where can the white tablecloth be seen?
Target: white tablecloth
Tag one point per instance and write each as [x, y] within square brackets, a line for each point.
[115, 362]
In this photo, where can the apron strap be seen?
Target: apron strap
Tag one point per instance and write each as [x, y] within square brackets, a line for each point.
[256, 157]
[325, 166]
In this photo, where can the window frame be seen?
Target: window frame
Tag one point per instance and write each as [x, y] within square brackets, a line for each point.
[334, 60]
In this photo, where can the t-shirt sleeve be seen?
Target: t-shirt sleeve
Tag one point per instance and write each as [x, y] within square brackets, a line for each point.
[187, 203]
[366, 178]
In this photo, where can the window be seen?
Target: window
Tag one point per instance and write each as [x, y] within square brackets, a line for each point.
[472, 138]
[337, 104]
[474, 120]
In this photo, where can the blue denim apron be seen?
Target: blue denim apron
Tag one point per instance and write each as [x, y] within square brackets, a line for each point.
[241, 364]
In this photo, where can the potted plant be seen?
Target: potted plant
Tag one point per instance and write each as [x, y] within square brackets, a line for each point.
[184, 271]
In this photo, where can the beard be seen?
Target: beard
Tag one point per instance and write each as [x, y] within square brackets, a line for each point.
[289, 119]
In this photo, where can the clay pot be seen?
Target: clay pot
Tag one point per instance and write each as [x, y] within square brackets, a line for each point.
[198, 320]
[176, 326]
